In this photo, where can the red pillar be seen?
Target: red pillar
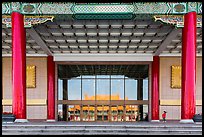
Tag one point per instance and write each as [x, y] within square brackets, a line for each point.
[18, 67]
[155, 90]
[188, 67]
[50, 89]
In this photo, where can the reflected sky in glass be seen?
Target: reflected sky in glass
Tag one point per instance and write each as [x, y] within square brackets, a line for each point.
[88, 89]
[130, 89]
[117, 89]
[145, 89]
[74, 86]
[103, 87]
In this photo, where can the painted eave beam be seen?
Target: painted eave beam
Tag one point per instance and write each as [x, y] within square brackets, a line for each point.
[93, 8]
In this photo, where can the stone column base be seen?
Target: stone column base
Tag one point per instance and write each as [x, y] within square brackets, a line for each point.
[155, 120]
[186, 121]
[21, 120]
[50, 120]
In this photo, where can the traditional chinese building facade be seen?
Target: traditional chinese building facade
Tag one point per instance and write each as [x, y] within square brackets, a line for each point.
[102, 62]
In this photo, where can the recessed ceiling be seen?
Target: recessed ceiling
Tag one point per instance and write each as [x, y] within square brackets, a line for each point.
[131, 71]
[101, 37]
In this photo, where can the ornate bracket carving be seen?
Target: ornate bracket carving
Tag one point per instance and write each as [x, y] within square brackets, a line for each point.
[177, 20]
[28, 20]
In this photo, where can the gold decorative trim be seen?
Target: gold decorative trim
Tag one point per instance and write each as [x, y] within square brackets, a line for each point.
[170, 102]
[30, 76]
[177, 20]
[29, 21]
[175, 76]
[176, 102]
[32, 102]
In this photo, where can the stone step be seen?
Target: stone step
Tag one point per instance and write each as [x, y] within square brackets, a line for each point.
[139, 133]
[103, 133]
[98, 127]
[136, 131]
[108, 126]
[94, 129]
[67, 129]
[105, 128]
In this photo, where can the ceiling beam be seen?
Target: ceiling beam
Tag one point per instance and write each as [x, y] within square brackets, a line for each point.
[39, 41]
[173, 34]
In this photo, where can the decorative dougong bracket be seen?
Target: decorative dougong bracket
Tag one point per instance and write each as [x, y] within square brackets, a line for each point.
[177, 20]
[28, 20]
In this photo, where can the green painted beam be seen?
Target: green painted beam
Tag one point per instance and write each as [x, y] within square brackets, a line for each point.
[48, 8]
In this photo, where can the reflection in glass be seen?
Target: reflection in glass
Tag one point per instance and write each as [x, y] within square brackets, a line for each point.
[117, 89]
[60, 89]
[91, 113]
[103, 76]
[99, 113]
[103, 89]
[117, 76]
[60, 112]
[74, 89]
[100, 88]
[74, 112]
[145, 112]
[120, 113]
[145, 89]
[77, 113]
[88, 89]
[105, 113]
[132, 113]
[114, 113]
[88, 76]
[71, 112]
[130, 89]
[88, 113]
[85, 110]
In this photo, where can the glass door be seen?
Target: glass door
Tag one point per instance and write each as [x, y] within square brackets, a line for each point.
[132, 113]
[74, 113]
[91, 113]
[117, 113]
[102, 113]
[105, 113]
[114, 113]
[85, 113]
[99, 113]
[120, 113]
[88, 112]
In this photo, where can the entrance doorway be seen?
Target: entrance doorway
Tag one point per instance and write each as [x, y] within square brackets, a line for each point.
[102, 113]
[106, 93]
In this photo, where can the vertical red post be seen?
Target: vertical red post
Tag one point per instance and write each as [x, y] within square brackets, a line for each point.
[50, 89]
[188, 68]
[155, 89]
[18, 67]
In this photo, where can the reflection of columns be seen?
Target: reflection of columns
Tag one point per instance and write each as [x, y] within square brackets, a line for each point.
[155, 89]
[19, 67]
[65, 98]
[188, 68]
[140, 96]
[50, 89]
